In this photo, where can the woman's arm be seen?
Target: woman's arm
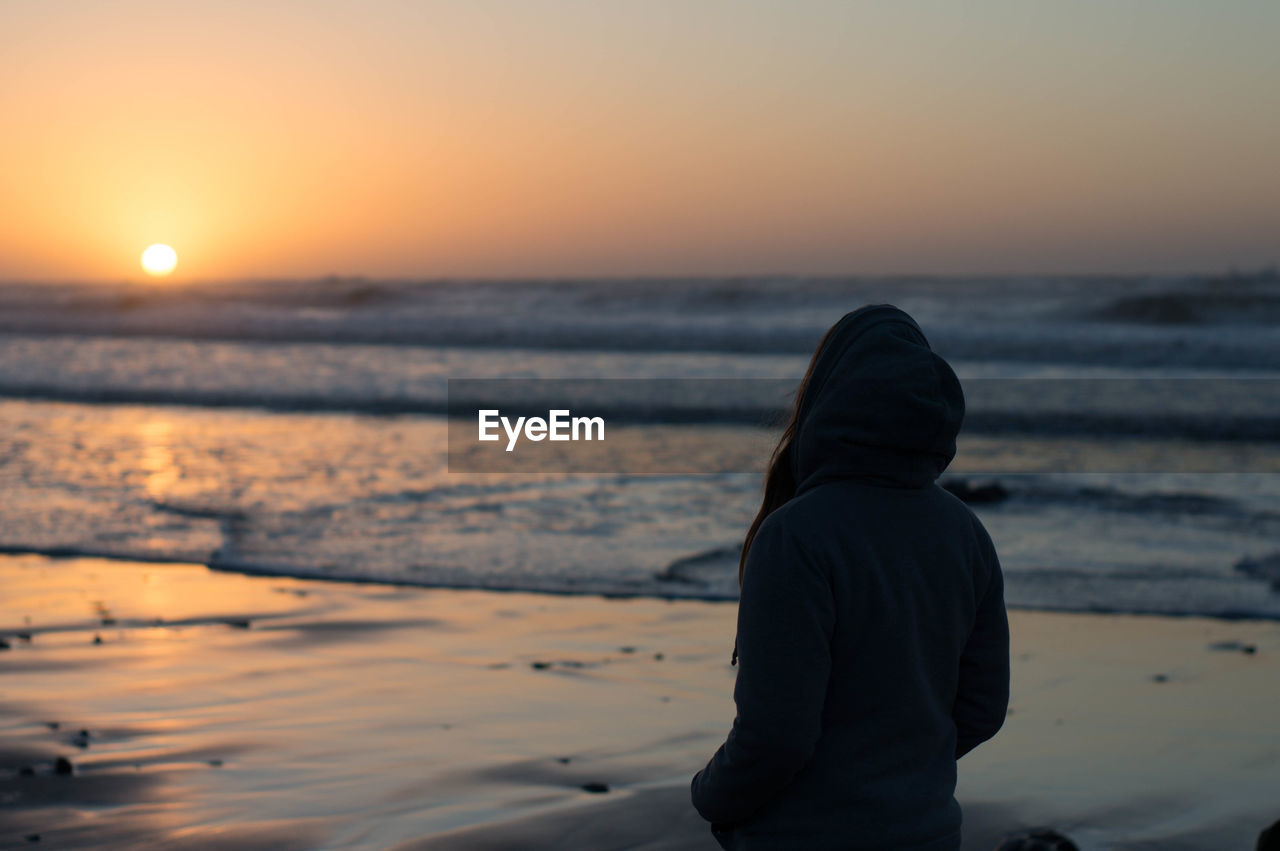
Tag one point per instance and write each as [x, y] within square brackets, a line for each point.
[982, 692]
[786, 615]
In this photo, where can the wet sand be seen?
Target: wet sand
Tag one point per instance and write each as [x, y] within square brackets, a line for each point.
[170, 706]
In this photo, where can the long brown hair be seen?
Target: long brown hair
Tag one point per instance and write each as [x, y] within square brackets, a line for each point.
[779, 480]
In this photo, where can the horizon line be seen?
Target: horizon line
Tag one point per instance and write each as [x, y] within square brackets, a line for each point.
[1264, 271]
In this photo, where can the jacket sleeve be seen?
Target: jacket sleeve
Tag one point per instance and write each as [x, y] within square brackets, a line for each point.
[786, 615]
[982, 692]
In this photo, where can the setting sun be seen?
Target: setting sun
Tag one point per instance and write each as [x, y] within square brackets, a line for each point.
[159, 260]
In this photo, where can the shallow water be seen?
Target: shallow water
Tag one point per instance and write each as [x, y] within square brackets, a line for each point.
[166, 425]
[357, 496]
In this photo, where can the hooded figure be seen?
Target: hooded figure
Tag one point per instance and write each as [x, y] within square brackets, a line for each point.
[872, 638]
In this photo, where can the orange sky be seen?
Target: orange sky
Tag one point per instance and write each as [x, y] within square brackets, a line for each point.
[545, 138]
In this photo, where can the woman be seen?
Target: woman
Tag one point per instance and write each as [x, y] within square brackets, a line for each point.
[873, 642]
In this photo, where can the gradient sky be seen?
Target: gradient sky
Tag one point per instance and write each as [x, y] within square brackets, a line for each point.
[580, 138]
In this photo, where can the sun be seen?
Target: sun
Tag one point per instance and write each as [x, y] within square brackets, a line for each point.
[159, 259]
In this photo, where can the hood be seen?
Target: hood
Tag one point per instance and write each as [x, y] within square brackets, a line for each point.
[880, 406]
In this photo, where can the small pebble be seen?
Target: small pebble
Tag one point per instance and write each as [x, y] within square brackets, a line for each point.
[540, 666]
[216, 763]
[4, 644]
[97, 639]
[627, 649]
[658, 657]
[33, 837]
[1160, 678]
[595, 788]
[27, 771]
[63, 766]
[563, 760]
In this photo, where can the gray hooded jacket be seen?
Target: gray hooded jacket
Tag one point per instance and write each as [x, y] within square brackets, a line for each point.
[872, 637]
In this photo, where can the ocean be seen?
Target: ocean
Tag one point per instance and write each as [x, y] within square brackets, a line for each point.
[299, 428]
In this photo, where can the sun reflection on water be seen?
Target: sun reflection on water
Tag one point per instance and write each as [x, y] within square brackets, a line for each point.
[158, 461]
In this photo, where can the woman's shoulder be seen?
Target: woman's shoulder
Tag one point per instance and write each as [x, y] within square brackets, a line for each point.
[794, 526]
[796, 515]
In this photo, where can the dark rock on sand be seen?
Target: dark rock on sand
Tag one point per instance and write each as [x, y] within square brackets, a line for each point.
[27, 771]
[81, 739]
[595, 788]
[563, 760]
[564, 663]
[1160, 678]
[4, 644]
[1247, 649]
[1038, 839]
[32, 837]
[984, 493]
[97, 639]
[1269, 839]
[63, 766]
[627, 649]
[658, 657]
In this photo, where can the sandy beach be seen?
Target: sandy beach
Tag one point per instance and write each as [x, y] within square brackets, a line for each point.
[171, 706]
